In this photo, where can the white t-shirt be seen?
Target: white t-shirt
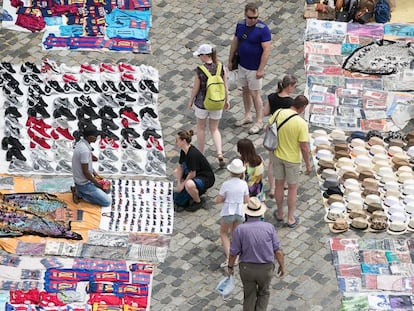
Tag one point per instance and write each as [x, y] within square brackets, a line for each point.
[233, 191]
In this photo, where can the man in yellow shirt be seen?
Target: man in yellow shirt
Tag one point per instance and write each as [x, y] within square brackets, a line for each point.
[293, 145]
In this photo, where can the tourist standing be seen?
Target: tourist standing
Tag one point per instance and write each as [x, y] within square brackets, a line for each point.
[251, 42]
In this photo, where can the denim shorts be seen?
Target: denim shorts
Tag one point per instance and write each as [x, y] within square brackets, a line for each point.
[92, 194]
[231, 219]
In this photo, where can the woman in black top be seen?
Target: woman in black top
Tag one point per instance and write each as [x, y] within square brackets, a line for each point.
[194, 174]
[279, 100]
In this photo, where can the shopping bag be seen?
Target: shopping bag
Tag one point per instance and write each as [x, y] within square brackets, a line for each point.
[226, 286]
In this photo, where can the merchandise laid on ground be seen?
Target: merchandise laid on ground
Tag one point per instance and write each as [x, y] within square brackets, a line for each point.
[374, 274]
[359, 76]
[367, 181]
[58, 255]
[83, 25]
[46, 106]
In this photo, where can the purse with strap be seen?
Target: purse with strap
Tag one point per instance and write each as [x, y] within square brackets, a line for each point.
[235, 60]
[270, 140]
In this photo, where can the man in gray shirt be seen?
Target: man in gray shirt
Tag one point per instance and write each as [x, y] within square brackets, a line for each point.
[87, 186]
[257, 245]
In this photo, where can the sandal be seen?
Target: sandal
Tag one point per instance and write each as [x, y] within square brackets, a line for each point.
[256, 128]
[220, 158]
[294, 224]
[243, 122]
[277, 218]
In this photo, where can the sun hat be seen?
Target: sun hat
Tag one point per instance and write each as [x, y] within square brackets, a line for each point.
[403, 176]
[337, 133]
[408, 199]
[360, 223]
[330, 182]
[372, 198]
[358, 150]
[396, 227]
[355, 195]
[357, 134]
[410, 151]
[203, 49]
[365, 174]
[385, 170]
[319, 132]
[398, 163]
[363, 159]
[355, 204]
[334, 213]
[391, 185]
[393, 150]
[236, 166]
[324, 163]
[330, 191]
[409, 208]
[324, 154]
[397, 216]
[379, 214]
[357, 212]
[341, 154]
[348, 175]
[340, 225]
[351, 182]
[377, 149]
[396, 142]
[357, 142]
[370, 182]
[409, 135]
[380, 157]
[391, 200]
[408, 189]
[370, 190]
[341, 146]
[392, 193]
[352, 188]
[323, 147]
[321, 140]
[379, 164]
[378, 224]
[373, 207]
[375, 141]
[387, 178]
[395, 211]
[363, 167]
[401, 156]
[344, 162]
[254, 207]
[327, 173]
[404, 168]
[409, 181]
[343, 169]
[335, 198]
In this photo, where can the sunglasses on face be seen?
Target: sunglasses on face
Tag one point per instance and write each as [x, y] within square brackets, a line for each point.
[252, 17]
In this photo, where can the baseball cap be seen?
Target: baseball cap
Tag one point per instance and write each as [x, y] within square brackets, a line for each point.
[203, 49]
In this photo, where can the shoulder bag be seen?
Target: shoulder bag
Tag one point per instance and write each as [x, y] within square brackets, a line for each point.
[270, 140]
[235, 60]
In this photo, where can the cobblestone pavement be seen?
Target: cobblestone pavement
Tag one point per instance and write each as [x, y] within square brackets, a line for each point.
[186, 280]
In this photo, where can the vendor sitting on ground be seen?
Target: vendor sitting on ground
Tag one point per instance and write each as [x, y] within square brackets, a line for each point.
[194, 174]
[87, 183]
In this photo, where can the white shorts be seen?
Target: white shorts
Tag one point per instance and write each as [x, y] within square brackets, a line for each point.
[204, 113]
[248, 78]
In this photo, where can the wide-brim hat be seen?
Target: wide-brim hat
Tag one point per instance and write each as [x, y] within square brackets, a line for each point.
[404, 168]
[403, 176]
[397, 227]
[410, 135]
[370, 182]
[328, 173]
[393, 150]
[380, 157]
[396, 142]
[355, 204]
[375, 141]
[409, 208]
[236, 166]
[391, 200]
[357, 134]
[370, 190]
[392, 192]
[360, 223]
[377, 149]
[335, 198]
[341, 146]
[378, 224]
[324, 163]
[330, 182]
[337, 133]
[379, 214]
[321, 140]
[345, 161]
[319, 132]
[334, 213]
[373, 207]
[339, 226]
[330, 191]
[355, 195]
[341, 154]
[324, 154]
[392, 185]
[358, 151]
[365, 174]
[254, 207]
[357, 212]
[357, 142]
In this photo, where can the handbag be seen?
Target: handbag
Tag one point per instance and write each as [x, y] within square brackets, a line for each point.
[270, 140]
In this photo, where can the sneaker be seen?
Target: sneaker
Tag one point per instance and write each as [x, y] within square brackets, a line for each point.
[29, 67]
[148, 110]
[128, 77]
[72, 87]
[127, 86]
[131, 167]
[11, 141]
[108, 142]
[49, 66]
[75, 197]
[155, 155]
[92, 84]
[35, 90]
[105, 167]
[150, 132]
[63, 102]
[13, 112]
[8, 66]
[109, 86]
[108, 124]
[11, 121]
[130, 154]
[256, 128]
[19, 166]
[12, 88]
[62, 145]
[14, 153]
[224, 264]
[31, 78]
[124, 67]
[154, 143]
[154, 168]
[107, 100]
[195, 206]
[148, 85]
[63, 166]
[108, 154]
[39, 154]
[61, 132]
[88, 68]
[84, 101]
[69, 69]
[42, 165]
[106, 112]
[13, 101]
[105, 67]
[62, 154]
[61, 122]
[148, 122]
[37, 141]
[124, 97]
[40, 130]
[130, 142]
[129, 114]
[129, 132]
[63, 111]
[53, 87]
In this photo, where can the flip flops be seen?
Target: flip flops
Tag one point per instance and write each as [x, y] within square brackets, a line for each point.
[294, 224]
[277, 218]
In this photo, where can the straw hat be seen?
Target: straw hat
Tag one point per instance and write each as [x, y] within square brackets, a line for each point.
[323, 163]
[373, 207]
[340, 225]
[370, 190]
[355, 204]
[387, 178]
[324, 154]
[378, 224]
[385, 170]
[357, 212]
[321, 140]
[330, 182]
[344, 162]
[404, 168]
[341, 154]
[319, 132]
[352, 188]
[396, 142]
[323, 147]
[381, 163]
[359, 223]
[401, 156]
[344, 169]
[410, 135]
[363, 167]
[393, 150]
[328, 173]
[341, 146]
[375, 141]
[236, 166]
[372, 198]
[358, 150]
[337, 206]
[370, 182]
[410, 142]
[392, 193]
[350, 182]
[337, 134]
[357, 142]
[380, 157]
[365, 174]
[379, 214]
[390, 200]
[408, 189]
[408, 199]
[410, 150]
[335, 198]
[397, 216]
[396, 227]
[409, 208]
[356, 195]
[348, 175]
[392, 185]
[377, 149]
[396, 212]
[254, 207]
[403, 176]
[334, 213]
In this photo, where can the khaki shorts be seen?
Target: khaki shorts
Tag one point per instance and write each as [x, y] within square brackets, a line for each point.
[284, 170]
[248, 78]
[204, 113]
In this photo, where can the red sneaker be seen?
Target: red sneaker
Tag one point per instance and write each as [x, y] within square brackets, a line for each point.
[108, 142]
[69, 78]
[65, 133]
[107, 67]
[124, 122]
[128, 77]
[33, 121]
[131, 115]
[36, 140]
[87, 68]
[40, 130]
[126, 67]
[156, 143]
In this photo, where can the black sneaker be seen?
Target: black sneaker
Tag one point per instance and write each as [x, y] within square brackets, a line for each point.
[127, 86]
[94, 85]
[72, 86]
[124, 97]
[31, 78]
[41, 110]
[12, 88]
[35, 90]
[86, 110]
[12, 111]
[195, 206]
[109, 86]
[8, 67]
[109, 124]
[53, 86]
[15, 153]
[110, 134]
[107, 111]
[29, 67]
[63, 111]
[84, 101]
[130, 142]
[148, 84]
[148, 110]
[150, 132]
[129, 132]
[12, 141]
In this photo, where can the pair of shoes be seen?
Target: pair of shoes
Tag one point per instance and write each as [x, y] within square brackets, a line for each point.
[222, 163]
[256, 128]
[294, 224]
[243, 122]
[179, 208]
[194, 206]
[275, 215]
[75, 197]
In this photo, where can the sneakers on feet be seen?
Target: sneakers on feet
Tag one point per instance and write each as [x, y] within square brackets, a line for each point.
[256, 128]
[243, 122]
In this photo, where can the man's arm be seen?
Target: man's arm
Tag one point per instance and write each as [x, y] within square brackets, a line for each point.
[281, 261]
[233, 48]
[304, 148]
[88, 175]
[263, 59]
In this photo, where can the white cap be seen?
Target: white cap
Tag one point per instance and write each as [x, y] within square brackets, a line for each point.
[203, 49]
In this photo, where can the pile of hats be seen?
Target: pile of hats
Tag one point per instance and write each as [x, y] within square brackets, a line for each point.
[367, 180]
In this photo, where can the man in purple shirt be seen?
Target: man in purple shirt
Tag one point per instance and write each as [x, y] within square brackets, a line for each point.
[257, 245]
